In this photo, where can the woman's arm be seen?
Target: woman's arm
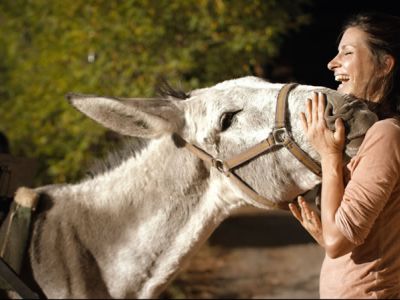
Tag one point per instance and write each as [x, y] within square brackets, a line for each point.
[330, 147]
[336, 244]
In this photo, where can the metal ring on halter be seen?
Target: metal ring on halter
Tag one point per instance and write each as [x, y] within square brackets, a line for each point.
[280, 135]
[220, 165]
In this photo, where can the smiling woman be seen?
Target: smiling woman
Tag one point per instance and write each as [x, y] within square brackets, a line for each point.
[358, 69]
[357, 216]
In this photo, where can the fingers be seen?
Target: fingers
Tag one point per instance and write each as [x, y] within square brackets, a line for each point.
[315, 109]
[303, 119]
[321, 107]
[316, 219]
[309, 219]
[295, 211]
[309, 110]
[306, 212]
[339, 133]
[314, 113]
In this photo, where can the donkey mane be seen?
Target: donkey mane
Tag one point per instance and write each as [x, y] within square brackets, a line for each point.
[165, 90]
[126, 148]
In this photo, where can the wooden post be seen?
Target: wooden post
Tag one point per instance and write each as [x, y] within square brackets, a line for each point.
[15, 172]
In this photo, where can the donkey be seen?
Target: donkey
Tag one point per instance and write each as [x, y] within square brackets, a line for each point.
[127, 231]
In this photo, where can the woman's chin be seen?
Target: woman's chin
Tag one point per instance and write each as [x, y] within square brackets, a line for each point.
[344, 89]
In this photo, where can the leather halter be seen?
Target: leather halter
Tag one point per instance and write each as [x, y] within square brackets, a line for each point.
[279, 136]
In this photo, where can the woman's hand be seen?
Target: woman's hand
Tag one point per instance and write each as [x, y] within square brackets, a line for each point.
[309, 219]
[323, 140]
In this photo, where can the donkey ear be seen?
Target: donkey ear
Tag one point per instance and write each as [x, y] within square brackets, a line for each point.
[147, 118]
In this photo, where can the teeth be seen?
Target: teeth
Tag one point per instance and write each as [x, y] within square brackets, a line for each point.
[342, 78]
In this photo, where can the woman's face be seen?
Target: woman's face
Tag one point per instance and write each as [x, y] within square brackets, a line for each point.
[354, 66]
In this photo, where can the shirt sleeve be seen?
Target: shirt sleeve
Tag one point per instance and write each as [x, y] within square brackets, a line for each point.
[374, 174]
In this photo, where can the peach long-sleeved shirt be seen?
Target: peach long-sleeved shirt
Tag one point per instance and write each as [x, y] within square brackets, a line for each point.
[369, 216]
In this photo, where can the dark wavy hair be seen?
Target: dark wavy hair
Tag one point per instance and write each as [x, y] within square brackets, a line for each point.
[383, 32]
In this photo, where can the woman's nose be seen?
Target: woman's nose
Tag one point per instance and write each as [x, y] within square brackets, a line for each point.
[334, 63]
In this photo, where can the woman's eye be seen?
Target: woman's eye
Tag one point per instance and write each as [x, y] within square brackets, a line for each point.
[348, 53]
[227, 119]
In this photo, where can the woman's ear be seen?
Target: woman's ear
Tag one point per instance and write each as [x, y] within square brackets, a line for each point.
[388, 64]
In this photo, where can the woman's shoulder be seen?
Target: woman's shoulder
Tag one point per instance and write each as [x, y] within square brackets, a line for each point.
[383, 140]
[392, 124]
[387, 129]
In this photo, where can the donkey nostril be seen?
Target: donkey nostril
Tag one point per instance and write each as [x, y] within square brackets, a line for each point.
[207, 140]
[212, 139]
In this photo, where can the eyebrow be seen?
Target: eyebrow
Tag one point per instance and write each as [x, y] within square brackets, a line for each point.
[346, 46]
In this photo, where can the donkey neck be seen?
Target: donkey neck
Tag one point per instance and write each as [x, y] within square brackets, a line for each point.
[152, 222]
[160, 169]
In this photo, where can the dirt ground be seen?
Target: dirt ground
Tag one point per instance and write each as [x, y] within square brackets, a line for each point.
[264, 255]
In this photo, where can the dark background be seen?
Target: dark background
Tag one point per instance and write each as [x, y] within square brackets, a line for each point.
[305, 53]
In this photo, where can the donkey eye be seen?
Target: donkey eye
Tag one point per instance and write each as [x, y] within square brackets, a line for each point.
[227, 119]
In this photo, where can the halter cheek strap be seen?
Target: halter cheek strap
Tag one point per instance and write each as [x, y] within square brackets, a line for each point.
[281, 133]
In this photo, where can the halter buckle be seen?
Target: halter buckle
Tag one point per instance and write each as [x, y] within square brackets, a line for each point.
[280, 135]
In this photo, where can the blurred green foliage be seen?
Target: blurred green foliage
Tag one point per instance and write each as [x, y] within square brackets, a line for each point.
[119, 48]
